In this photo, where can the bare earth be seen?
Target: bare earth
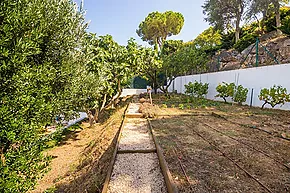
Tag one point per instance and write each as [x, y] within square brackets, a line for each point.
[257, 140]
[80, 162]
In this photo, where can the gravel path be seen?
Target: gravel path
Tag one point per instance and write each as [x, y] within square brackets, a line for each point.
[133, 108]
[135, 135]
[137, 173]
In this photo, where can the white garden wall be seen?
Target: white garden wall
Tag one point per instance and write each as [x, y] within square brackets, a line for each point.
[251, 78]
[129, 91]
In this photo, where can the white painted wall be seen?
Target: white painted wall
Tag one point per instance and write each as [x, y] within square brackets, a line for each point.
[251, 78]
[127, 92]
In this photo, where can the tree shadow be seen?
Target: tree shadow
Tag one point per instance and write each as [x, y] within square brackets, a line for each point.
[89, 175]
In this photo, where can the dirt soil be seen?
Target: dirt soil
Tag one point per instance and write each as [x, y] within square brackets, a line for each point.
[80, 162]
[216, 143]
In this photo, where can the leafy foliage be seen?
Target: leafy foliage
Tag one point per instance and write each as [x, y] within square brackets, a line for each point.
[171, 65]
[285, 28]
[274, 96]
[225, 90]
[240, 95]
[40, 43]
[237, 93]
[181, 106]
[196, 89]
[270, 21]
[222, 14]
[50, 65]
[180, 58]
[245, 41]
[158, 26]
[228, 40]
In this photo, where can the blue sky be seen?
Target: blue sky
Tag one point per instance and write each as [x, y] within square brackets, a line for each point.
[121, 18]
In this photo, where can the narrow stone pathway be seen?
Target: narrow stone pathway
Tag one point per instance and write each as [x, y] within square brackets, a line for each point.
[136, 172]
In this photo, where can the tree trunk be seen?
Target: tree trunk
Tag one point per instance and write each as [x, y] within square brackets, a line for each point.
[278, 22]
[264, 105]
[225, 99]
[91, 118]
[155, 87]
[150, 97]
[116, 97]
[237, 32]
[239, 13]
[278, 16]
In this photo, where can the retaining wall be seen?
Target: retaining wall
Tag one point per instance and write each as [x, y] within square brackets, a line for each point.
[251, 78]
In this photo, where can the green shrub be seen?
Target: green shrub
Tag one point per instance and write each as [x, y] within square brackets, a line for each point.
[40, 50]
[270, 23]
[188, 106]
[245, 41]
[228, 40]
[285, 28]
[196, 89]
[225, 90]
[240, 95]
[164, 106]
[173, 106]
[274, 96]
[181, 106]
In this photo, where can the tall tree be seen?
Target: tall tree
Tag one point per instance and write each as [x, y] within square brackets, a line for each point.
[223, 13]
[277, 5]
[170, 68]
[263, 6]
[39, 47]
[256, 7]
[155, 29]
[158, 26]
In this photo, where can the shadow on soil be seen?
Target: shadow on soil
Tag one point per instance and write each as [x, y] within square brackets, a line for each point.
[89, 175]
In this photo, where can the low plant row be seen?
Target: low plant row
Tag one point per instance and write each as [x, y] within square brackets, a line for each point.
[273, 96]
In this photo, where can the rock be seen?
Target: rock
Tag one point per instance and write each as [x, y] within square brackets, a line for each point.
[227, 57]
[231, 66]
[286, 43]
[279, 47]
[247, 50]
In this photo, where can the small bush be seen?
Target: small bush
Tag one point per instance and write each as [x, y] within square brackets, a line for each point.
[188, 106]
[164, 106]
[181, 106]
[274, 96]
[240, 95]
[189, 88]
[225, 90]
[196, 89]
[172, 106]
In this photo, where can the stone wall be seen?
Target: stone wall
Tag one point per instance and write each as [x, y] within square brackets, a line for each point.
[279, 47]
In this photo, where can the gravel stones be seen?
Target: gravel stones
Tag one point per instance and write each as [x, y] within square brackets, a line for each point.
[135, 135]
[137, 173]
[133, 108]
